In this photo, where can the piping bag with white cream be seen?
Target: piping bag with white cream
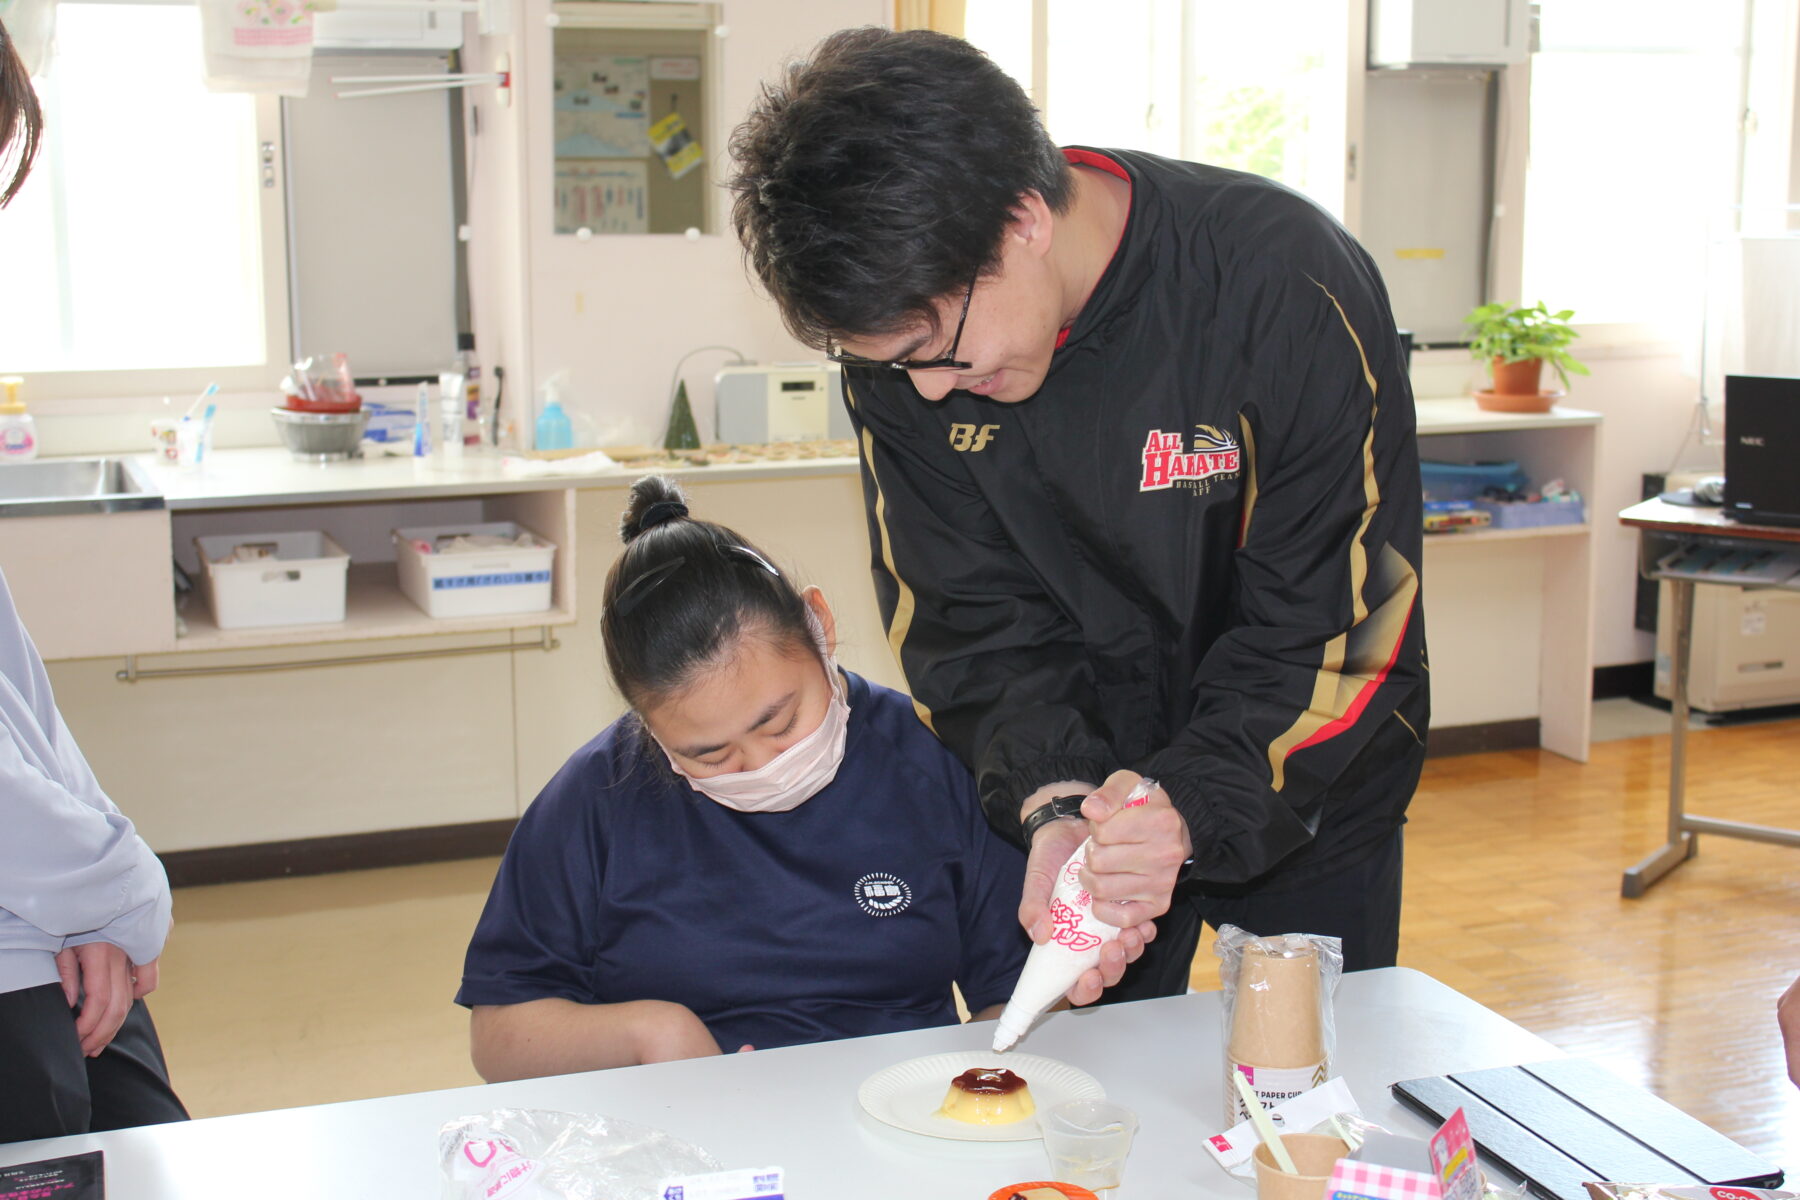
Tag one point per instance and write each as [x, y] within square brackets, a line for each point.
[1077, 935]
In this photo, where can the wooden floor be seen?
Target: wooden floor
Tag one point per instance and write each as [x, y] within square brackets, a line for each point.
[303, 991]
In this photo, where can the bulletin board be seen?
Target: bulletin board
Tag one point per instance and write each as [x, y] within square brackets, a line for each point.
[633, 143]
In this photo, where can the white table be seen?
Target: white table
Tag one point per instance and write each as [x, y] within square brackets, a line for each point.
[797, 1108]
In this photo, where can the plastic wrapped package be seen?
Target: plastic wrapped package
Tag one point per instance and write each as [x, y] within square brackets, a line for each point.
[537, 1154]
[1354, 1129]
[1279, 1027]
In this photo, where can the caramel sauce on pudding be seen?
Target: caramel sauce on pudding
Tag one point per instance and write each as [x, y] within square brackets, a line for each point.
[988, 1081]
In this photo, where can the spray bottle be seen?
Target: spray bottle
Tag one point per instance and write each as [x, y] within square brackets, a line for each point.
[18, 430]
[554, 430]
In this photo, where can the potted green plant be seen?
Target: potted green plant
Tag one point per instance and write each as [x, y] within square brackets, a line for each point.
[1516, 342]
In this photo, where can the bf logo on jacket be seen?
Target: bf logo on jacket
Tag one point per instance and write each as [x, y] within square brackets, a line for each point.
[882, 895]
[971, 438]
[1167, 464]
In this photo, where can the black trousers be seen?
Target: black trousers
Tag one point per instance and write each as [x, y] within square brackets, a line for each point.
[1357, 901]
[49, 1089]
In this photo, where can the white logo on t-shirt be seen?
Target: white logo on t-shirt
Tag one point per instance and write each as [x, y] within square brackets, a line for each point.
[882, 895]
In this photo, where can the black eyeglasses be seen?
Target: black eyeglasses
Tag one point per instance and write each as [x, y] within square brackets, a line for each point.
[944, 362]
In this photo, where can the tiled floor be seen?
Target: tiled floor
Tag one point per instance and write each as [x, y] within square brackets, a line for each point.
[301, 991]
[1621, 718]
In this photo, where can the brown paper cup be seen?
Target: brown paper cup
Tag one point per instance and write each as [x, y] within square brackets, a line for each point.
[1315, 1155]
[1275, 1017]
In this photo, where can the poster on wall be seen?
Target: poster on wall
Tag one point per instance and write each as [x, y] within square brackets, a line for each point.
[602, 103]
[682, 66]
[602, 197]
[675, 145]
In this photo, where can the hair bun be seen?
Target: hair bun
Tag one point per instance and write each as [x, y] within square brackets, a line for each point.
[654, 501]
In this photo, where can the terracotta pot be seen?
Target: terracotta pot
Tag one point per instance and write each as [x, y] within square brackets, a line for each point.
[1518, 387]
[1520, 378]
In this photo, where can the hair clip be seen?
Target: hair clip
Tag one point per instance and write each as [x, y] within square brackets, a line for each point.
[747, 553]
[633, 593]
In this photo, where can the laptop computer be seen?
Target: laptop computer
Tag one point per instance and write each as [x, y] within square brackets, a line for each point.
[1762, 449]
[1561, 1123]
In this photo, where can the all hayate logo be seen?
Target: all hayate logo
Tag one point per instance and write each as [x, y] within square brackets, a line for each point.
[1167, 464]
[882, 895]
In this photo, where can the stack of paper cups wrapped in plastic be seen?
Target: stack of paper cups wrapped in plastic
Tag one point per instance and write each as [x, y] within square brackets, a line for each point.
[1279, 1032]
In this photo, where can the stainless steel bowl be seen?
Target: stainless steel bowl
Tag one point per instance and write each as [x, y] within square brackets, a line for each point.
[321, 437]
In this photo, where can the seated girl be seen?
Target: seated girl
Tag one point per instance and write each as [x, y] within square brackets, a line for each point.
[767, 850]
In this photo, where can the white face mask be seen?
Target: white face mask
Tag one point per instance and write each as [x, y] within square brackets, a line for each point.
[798, 773]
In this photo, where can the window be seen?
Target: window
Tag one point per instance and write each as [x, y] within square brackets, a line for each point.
[1267, 92]
[1634, 156]
[1259, 88]
[138, 245]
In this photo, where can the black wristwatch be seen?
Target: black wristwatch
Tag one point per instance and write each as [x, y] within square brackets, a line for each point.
[1056, 809]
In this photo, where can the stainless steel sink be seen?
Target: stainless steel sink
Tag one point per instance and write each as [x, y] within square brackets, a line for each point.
[54, 487]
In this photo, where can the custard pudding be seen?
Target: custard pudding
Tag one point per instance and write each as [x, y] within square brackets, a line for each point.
[987, 1096]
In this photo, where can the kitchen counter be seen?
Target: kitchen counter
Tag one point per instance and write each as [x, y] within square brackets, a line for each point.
[390, 732]
[267, 476]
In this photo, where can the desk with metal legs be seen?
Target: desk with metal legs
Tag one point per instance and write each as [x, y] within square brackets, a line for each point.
[1663, 528]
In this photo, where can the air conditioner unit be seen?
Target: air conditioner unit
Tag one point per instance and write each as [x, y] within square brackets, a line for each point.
[358, 30]
[1745, 651]
[1448, 33]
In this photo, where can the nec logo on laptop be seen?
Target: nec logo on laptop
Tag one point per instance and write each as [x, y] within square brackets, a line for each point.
[1750, 441]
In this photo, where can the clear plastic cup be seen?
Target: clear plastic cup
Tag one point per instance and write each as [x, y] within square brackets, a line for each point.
[1088, 1142]
[190, 442]
[162, 439]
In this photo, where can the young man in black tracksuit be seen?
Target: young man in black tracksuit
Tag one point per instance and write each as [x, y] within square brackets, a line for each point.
[1143, 491]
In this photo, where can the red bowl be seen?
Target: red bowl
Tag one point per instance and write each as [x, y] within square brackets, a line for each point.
[330, 399]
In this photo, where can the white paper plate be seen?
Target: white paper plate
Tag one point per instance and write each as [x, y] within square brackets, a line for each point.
[907, 1095]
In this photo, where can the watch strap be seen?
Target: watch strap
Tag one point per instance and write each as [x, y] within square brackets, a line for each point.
[1057, 808]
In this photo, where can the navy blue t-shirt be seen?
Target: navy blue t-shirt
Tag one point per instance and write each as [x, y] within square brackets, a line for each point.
[849, 915]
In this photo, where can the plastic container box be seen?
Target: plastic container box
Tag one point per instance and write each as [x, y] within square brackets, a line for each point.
[1466, 481]
[510, 580]
[1532, 514]
[301, 583]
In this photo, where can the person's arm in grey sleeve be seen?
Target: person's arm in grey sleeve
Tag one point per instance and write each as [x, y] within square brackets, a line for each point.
[74, 868]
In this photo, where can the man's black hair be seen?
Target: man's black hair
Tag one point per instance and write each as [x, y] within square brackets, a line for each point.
[878, 177]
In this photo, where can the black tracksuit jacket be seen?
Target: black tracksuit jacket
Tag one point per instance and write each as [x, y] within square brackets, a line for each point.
[1195, 552]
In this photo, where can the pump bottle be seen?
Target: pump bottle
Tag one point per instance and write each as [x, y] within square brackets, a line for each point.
[554, 430]
[18, 430]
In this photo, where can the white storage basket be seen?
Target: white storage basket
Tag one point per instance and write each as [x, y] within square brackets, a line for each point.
[300, 583]
[511, 579]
